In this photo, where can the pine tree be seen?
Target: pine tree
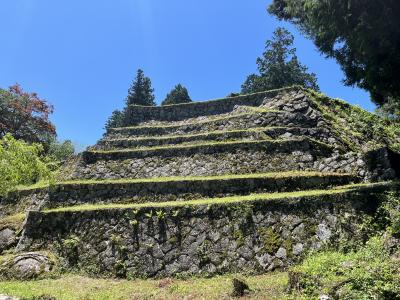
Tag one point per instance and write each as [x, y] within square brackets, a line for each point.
[178, 95]
[279, 66]
[141, 92]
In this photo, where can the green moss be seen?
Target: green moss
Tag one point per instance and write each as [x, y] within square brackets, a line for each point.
[238, 236]
[310, 227]
[208, 144]
[71, 243]
[8, 261]
[68, 248]
[355, 126]
[288, 245]
[203, 253]
[15, 222]
[228, 200]
[271, 240]
[276, 175]
[209, 120]
[200, 135]
[116, 239]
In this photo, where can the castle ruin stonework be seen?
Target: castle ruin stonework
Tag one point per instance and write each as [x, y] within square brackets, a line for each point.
[244, 184]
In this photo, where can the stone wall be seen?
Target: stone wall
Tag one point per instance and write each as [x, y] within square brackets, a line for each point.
[271, 146]
[234, 122]
[200, 240]
[138, 114]
[320, 134]
[69, 194]
[253, 159]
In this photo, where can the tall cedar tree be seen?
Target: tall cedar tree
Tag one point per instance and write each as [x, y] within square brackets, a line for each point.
[141, 92]
[178, 95]
[25, 116]
[279, 66]
[362, 35]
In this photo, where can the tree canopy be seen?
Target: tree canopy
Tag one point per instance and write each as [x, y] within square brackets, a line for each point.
[178, 95]
[116, 120]
[25, 116]
[362, 35]
[141, 92]
[279, 66]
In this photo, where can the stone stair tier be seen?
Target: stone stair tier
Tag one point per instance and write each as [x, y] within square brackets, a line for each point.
[257, 133]
[174, 188]
[216, 158]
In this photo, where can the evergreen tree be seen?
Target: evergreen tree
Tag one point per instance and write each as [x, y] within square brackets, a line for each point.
[178, 95]
[279, 66]
[116, 120]
[141, 92]
[362, 35]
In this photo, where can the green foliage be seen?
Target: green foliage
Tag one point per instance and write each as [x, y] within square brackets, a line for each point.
[178, 95]
[279, 66]
[389, 110]
[389, 213]
[362, 35]
[270, 239]
[141, 92]
[71, 244]
[160, 215]
[20, 164]
[116, 120]
[369, 273]
[60, 151]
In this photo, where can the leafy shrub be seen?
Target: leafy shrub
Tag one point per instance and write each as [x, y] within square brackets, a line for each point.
[20, 164]
[61, 151]
[390, 212]
[369, 273]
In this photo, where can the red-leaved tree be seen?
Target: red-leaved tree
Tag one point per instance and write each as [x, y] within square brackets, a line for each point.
[25, 115]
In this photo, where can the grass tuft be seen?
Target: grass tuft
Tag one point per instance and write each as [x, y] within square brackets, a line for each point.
[224, 200]
[276, 175]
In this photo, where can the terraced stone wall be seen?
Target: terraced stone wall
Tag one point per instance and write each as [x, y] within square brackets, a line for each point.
[242, 158]
[138, 114]
[65, 195]
[205, 239]
[234, 122]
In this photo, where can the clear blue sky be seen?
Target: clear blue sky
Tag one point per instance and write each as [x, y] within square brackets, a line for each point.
[81, 55]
